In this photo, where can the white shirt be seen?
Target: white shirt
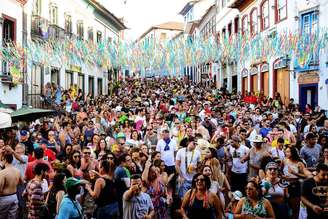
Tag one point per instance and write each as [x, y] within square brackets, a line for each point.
[292, 128]
[237, 154]
[167, 156]
[193, 157]
[275, 152]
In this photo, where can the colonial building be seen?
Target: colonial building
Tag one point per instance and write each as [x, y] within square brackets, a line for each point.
[86, 20]
[11, 29]
[199, 21]
[228, 27]
[307, 85]
[26, 22]
[157, 34]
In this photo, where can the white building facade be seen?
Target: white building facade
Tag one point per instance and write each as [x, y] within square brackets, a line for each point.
[280, 74]
[155, 35]
[56, 20]
[11, 29]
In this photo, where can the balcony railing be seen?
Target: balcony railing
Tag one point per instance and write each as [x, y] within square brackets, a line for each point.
[39, 27]
[56, 32]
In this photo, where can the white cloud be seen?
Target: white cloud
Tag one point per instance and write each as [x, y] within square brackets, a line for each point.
[139, 15]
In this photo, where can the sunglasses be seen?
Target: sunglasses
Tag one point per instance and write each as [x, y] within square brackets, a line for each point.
[110, 158]
[200, 180]
[272, 169]
[86, 152]
[148, 129]
[76, 156]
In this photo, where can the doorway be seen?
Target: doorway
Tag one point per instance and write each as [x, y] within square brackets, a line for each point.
[308, 95]
[54, 76]
[91, 86]
[234, 82]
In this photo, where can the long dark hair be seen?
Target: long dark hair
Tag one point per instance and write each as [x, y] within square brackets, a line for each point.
[72, 161]
[294, 155]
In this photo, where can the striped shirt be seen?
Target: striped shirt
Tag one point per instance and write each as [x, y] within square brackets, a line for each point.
[35, 198]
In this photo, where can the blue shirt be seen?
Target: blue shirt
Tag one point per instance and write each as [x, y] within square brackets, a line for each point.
[264, 131]
[68, 210]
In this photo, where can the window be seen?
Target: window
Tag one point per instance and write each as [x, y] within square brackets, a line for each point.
[99, 36]
[90, 34]
[37, 7]
[236, 25]
[281, 10]
[80, 29]
[253, 21]
[9, 32]
[244, 25]
[53, 14]
[310, 26]
[229, 29]
[68, 23]
[224, 33]
[265, 15]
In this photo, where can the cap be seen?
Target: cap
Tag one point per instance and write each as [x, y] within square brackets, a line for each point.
[23, 133]
[237, 195]
[120, 135]
[271, 165]
[71, 182]
[258, 139]
[43, 141]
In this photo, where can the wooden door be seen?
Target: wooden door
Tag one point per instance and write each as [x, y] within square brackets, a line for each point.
[245, 85]
[283, 85]
[265, 81]
[254, 84]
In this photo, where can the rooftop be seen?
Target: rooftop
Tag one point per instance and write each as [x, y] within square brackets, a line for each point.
[172, 25]
[116, 21]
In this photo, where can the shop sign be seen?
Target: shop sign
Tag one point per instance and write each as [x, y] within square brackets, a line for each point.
[265, 67]
[311, 77]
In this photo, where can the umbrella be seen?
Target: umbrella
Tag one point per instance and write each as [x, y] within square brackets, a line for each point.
[30, 114]
[5, 120]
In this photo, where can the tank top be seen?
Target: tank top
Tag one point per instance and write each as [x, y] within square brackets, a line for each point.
[107, 194]
[258, 210]
[197, 210]
[293, 166]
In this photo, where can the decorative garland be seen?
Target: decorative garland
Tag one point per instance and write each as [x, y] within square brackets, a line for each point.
[169, 56]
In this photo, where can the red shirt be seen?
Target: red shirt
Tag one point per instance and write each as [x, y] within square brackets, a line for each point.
[30, 166]
[50, 155]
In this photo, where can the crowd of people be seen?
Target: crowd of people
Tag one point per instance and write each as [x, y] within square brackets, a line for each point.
[166, 148]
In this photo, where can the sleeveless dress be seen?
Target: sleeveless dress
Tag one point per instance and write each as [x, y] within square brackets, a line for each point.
[259, 209]
[197, 210]
[157, 195]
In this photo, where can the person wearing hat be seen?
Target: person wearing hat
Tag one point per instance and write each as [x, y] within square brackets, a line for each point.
[236, 196]
[70, 207]
[25, 140]
[255, 156]
[310, 152]
[274, 190]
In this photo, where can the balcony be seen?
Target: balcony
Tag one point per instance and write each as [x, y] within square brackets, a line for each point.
[56, 32]
[39, 27]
